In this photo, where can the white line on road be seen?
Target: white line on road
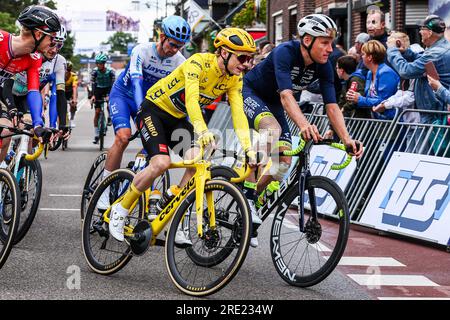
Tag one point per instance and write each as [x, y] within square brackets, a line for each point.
[370, 261]
[64, 195]
[392, 280]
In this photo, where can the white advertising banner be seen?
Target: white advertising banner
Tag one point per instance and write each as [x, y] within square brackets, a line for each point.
[322, 157]
[91, 21]
[412, 198]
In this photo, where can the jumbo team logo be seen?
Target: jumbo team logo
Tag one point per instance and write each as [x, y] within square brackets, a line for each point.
[178, 100]
[412, 197]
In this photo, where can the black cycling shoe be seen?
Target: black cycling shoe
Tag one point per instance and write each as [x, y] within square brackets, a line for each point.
[95, 140]
[109, 122]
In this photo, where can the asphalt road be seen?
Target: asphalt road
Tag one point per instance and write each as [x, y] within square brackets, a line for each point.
[49, 263]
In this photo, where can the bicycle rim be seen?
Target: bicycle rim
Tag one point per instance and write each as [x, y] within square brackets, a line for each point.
[30, 187]
[306, 258]
[191, 277]
[9, 213]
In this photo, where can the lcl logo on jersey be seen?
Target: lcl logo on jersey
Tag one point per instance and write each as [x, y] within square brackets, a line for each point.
[417, 198]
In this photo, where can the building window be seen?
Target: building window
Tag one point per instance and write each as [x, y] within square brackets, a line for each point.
[278, 29]
[293, 24]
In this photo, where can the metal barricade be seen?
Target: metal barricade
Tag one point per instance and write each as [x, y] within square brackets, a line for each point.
[417, 138]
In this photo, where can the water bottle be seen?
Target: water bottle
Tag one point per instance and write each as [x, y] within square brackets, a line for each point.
[167, 197]
[155, 198]
[268, 191]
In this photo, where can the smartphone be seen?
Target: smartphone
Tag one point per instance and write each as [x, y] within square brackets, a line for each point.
[430, 70]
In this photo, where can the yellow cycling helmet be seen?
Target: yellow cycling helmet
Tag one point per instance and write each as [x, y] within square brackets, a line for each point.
[235, 39]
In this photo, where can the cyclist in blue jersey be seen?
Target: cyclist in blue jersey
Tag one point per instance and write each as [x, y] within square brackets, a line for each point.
[273, 87]
[102, 80]
[149, 62]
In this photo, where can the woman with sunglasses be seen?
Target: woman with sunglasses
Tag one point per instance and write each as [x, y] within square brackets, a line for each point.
[163, 116]
[273, 87]
[52, 72]
[21, 53]
[149, 62]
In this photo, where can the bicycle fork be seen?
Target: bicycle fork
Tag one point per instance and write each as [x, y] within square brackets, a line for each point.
[303, 176]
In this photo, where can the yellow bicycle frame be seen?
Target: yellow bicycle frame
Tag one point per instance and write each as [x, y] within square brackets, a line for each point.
[197, 182]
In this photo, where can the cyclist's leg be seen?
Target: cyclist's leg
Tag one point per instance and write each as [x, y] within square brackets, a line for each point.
[4, 120]
[279, 141]
[153, 136]
[97, 107]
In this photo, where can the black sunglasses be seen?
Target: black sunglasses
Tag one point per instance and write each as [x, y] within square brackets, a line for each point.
[243, 58]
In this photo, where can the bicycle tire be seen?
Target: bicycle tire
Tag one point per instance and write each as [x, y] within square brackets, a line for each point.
[8, 229]
[26, 220]
[121, 249]
[280, 246]
[93, 178]
[224, 273]
[226, 173]
[101, 129]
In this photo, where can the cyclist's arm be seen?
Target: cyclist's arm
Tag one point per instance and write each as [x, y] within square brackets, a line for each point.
[75, 89]
[137, 78]
[52, 113]
[192, 70]
[34, 98]
[61, 101]
[240, 122]
[291, 107]
[337, 122]
[93, 81]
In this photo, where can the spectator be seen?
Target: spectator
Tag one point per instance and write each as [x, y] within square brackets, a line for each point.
[404, 97]
[381, 80]
[359, 41]
[347, 72]
[437, 50]
[352, 52]
[442, 93]
[334, 56]
[376, 24]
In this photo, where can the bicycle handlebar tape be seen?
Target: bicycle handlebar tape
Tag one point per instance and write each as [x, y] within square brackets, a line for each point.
[36, 154]
[297, 150]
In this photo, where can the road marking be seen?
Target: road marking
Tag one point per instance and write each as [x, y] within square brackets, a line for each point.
[392, 280]
[58, 209]
[370, 261]
[412, 298]
[64, 195]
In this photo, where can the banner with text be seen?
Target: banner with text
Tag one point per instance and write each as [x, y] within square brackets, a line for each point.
[412, 198]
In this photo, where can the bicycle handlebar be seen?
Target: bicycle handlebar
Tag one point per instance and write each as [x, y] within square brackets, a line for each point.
[36, 154]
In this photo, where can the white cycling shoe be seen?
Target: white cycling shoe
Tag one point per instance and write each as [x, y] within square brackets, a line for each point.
[103, 201]
[181, 239]
[118, 216]
[256, 220]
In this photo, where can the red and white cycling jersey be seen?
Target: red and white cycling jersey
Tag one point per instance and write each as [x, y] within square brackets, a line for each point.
[10, 65]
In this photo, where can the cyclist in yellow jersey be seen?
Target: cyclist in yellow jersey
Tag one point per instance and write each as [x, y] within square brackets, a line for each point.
[71, 90]
[195, 83]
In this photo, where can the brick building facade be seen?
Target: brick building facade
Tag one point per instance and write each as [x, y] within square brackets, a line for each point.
[281, 15]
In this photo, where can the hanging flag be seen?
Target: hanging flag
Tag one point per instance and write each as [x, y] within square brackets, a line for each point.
[196, 14]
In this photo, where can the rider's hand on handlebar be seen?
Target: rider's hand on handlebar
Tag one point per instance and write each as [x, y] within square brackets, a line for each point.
[15, 116]
[44, 134]
[251, 158]
[310, 132]
[64, 133]
[355, 148]
[207, 138]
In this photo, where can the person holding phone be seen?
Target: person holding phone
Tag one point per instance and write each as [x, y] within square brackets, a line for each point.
[442, 93]
[411, 65]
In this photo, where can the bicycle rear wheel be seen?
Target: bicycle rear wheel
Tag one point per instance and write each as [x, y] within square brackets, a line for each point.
[29, 179]
[306, 258]
[9, 213]
[93, 179]
[191, 277]
[104, 254]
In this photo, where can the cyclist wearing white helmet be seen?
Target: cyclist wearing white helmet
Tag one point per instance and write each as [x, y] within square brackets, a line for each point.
[149, 62]
[273, 87]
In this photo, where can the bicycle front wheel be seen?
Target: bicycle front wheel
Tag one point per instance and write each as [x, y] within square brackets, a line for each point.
[192, 277]
[306, 258]
[29, 177]
[103, 253]
[101, 129]
[93, 179]
[9, 213]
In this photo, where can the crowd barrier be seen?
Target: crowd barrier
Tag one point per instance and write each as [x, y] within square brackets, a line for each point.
[381, 138]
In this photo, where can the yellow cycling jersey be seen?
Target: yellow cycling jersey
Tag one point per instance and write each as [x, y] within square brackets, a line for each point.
[196, 83]
[71, 81]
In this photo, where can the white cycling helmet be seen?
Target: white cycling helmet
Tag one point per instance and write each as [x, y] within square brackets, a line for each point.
[61, 35]
[317, 25]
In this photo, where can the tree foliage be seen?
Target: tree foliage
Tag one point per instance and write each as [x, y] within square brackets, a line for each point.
[119, 41]
[246, 17]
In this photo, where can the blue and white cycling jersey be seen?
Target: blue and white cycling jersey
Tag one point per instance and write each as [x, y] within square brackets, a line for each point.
[145, 68]
[147, 65]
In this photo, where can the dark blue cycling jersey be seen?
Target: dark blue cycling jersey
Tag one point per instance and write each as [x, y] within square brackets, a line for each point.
[284, 68]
